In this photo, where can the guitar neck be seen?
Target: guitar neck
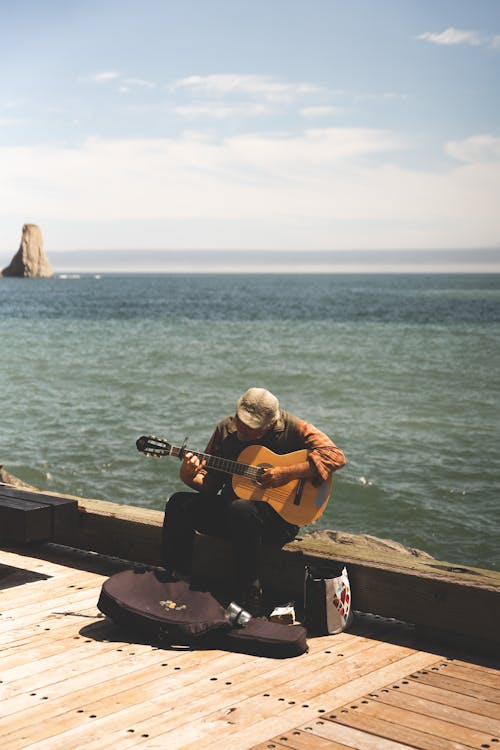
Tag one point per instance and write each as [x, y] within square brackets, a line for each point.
[226, 465]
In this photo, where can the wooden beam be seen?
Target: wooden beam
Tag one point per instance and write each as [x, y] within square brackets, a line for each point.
[62, 511]
[23, 522]
[124, 531]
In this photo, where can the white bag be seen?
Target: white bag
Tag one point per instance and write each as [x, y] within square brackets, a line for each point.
[327, 601]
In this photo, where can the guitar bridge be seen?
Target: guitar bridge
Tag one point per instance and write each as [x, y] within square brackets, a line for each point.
[298, 492]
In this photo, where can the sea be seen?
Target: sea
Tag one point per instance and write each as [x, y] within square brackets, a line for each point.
[402, 371]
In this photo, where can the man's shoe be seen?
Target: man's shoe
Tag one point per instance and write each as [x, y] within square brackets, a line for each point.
[253, 600]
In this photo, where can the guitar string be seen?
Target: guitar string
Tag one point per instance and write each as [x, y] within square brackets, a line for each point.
[249, 472]
[218, 463]
[245, 471]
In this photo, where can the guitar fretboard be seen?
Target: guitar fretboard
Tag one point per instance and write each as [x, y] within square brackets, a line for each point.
[225, 465]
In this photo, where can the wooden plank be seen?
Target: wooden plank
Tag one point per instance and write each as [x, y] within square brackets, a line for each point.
[464, 687]
[69, 655]
[45, 683]
[20, 658]
[395, 697]
[450, 698]
[294, 716]
[61, 674]
[485, 665]
[235, 723]
[230, 681]
[128, 691]
[52, 628]
[59, 607]
[131, 668]
[298, 740]
[387, 731]
[125, 728]
[216, 696]
[147, 695]
[45, 588]
[375, 657]
[352, 737]
[410, 719]
[471, 674]
[83, 684]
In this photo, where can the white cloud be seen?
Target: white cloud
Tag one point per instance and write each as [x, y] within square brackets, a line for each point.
[476, 149]
[140, 82]
[108, 76]
[324, 189]
[320, 111]
[104, 76]
[220, 112]
[251, 85]
[452, 36]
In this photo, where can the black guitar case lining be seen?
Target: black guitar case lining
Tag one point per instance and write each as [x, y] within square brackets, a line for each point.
[168, 612]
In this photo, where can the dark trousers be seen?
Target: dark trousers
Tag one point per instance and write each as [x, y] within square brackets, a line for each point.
[247, 524]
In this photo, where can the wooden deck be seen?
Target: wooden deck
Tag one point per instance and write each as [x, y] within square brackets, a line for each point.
[69, 679]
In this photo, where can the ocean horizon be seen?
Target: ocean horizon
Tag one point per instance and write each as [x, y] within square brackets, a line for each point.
[352, 261]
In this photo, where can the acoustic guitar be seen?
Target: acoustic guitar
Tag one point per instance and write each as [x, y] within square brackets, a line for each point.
[299, 501]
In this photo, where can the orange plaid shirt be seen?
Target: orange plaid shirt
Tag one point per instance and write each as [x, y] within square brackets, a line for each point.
[288, 434]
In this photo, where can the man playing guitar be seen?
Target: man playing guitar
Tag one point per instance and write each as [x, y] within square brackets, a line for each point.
[215, 508]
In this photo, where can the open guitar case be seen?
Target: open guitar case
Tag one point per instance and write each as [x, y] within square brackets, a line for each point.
[149, 604]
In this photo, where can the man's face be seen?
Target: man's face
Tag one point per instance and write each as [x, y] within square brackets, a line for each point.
[247, 434]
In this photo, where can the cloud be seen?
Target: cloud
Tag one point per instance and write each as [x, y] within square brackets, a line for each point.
[320, 111]
[452, 37]
[103, 77]
[321, 188]
[139, 82]
[220, 112]
[222, 85]
[230, 95]
[476, 149]
[223, 96]
[125, 83]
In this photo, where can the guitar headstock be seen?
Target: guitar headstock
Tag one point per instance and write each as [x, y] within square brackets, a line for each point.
[153, 446]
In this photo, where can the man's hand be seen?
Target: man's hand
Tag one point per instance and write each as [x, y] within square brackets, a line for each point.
[276, 476]
[193, 471]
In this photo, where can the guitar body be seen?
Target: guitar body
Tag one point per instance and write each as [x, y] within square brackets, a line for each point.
[298, 502]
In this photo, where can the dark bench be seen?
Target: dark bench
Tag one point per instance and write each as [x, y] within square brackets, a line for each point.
[27, 516]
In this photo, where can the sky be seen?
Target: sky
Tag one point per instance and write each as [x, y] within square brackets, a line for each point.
[276, 126]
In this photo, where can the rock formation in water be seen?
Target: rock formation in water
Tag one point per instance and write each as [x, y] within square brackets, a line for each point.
[367, 541]
[10, 479]
[30, 261]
